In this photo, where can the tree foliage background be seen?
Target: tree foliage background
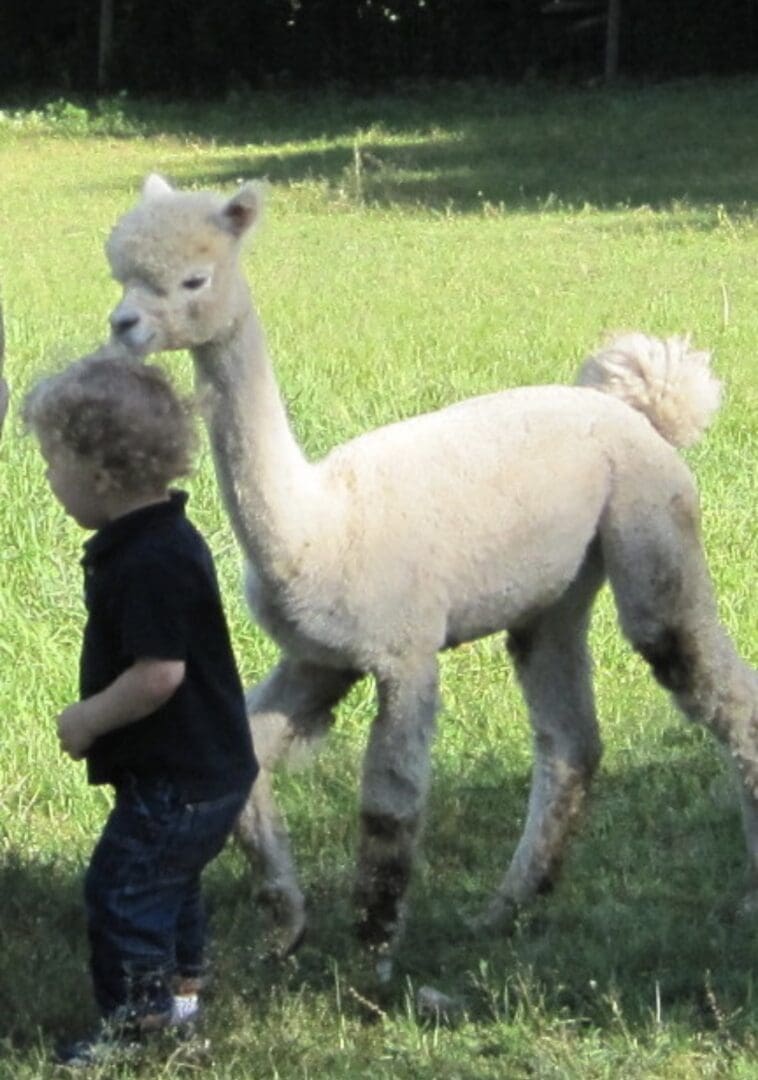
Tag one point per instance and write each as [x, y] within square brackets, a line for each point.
[178, 46]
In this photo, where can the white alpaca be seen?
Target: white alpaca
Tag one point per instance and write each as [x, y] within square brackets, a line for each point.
[504, 512]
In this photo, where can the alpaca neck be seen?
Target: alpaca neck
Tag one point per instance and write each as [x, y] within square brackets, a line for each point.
[267, 485]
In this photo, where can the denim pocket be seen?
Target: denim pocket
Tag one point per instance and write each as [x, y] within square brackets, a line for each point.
[201, 831]
[146, 811]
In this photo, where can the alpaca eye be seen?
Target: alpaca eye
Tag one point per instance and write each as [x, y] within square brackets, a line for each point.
[195, 282]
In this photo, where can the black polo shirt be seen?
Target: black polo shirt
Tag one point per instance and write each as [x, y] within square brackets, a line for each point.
[151, 592]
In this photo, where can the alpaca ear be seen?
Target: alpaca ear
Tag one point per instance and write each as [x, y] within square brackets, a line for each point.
[244, 209]
[155, 186]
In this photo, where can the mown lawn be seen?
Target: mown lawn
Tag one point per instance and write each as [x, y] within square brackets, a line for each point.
[418, 249]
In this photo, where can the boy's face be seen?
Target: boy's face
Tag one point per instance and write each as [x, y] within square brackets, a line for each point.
[80, 488]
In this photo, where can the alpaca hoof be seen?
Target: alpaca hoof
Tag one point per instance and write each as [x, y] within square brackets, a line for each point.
[748, 906]
[378, 939]
[379, 951]
[383, 970]
[287, 910]
[499, 918]
[374, 970]
[432, 1004]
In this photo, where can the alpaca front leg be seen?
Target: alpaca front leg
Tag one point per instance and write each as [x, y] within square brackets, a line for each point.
[394, 789]
[291, 707]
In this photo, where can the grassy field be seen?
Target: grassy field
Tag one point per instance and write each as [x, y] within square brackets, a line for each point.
[417, 249]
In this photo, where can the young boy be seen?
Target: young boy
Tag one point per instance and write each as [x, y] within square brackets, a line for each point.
[162, 715]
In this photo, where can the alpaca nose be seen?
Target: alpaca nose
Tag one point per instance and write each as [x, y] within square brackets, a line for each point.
[122, 324]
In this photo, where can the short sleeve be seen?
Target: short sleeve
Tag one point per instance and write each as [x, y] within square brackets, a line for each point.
[155, 609]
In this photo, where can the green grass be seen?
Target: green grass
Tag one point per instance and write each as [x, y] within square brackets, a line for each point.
[418, 249]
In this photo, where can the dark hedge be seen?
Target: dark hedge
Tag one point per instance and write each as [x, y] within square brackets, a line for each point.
[191, 48]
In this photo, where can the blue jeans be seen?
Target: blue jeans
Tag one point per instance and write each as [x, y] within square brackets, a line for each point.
[145, 914]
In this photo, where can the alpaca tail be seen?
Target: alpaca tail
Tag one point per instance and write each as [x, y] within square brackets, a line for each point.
[668, 381]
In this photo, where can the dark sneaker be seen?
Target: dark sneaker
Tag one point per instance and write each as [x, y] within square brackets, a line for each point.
[107, 1046]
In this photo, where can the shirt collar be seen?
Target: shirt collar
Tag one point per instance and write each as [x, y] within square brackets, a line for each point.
[122, 529]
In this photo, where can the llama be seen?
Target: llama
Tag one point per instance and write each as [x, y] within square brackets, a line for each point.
[502, 512]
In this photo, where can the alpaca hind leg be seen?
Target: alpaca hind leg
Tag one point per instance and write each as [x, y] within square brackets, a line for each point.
[668, 611]
[291, 707]
[394, 788]
[554, 668]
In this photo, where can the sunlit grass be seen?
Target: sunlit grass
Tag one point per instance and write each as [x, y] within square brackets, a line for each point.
[417, 250]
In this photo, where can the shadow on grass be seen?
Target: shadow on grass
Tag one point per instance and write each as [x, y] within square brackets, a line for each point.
[43, 980]
[646, 908]
[465, 148]
[644, 921]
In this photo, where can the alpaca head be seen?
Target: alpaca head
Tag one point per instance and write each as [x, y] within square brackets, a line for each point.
[176, 254]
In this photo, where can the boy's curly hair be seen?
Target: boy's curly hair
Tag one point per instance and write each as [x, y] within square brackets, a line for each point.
[119, 414]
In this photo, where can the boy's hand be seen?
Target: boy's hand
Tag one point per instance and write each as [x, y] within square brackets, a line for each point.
[133, 695]
[75, 730]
